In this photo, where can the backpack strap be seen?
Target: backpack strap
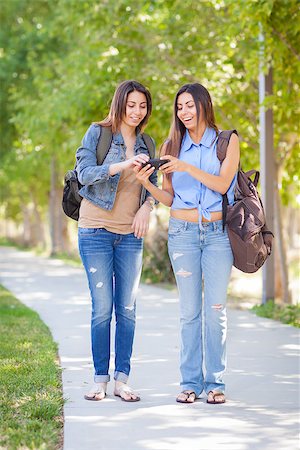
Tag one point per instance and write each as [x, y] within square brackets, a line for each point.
[150, 144]
[105, 139]
[104, 143]
[222, 145]
[256, 178]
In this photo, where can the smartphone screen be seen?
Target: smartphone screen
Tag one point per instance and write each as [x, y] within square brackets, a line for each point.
[156, 162]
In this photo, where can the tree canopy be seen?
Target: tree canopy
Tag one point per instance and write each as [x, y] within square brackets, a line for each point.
[61, 60]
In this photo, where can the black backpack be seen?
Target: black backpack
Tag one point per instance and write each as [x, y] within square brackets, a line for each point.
[71, 198]
[250, 239]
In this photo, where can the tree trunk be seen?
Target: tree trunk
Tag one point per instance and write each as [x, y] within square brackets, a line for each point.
[54, 247]
[26, 226]
[278, 278]
[59, 241]
[38, 232]
[292, 226]
[282, 259]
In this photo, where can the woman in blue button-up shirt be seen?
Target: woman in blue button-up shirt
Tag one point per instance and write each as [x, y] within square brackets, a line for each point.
[199, 250]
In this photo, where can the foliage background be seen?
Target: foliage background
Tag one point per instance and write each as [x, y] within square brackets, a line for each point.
[61, 60]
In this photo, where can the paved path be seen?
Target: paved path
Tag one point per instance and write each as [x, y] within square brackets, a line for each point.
[262, 379]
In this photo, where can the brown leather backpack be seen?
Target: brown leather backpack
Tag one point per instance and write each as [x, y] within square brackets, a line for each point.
[250, 239]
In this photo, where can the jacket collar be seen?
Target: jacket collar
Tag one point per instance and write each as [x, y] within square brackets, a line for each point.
[118, 139]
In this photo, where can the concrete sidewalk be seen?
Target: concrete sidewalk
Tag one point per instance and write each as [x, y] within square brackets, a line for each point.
[262, 408]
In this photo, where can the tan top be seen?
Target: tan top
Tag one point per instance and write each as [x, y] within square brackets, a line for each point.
[120, 218]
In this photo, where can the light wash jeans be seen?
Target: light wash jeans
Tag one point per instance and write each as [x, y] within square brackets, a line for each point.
[113, 264]
[195, 255]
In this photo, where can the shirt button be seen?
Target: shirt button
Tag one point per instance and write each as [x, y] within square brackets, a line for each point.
[112, 189]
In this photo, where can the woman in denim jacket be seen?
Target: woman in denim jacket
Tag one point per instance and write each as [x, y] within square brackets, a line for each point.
[113, 219]
[199, 250]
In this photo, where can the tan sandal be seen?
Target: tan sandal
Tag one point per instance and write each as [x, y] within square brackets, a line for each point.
[124, 389]
[97, 393]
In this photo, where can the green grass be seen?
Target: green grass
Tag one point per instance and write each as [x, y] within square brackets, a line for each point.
[289, 314]
[31, 403]
[71, 260]
[4, 242]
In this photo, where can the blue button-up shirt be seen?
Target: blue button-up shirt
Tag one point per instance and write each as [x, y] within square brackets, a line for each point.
[190, 193]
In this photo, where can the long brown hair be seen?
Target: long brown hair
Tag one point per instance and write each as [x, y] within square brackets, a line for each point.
[202, 100]
[118, 105]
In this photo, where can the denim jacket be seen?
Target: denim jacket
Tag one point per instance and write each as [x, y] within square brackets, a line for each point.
[99, 187]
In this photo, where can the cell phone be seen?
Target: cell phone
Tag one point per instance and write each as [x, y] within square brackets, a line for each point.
[156, 162]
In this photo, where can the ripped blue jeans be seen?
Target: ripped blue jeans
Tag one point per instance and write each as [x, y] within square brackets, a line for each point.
[201, 255]
[113, 264]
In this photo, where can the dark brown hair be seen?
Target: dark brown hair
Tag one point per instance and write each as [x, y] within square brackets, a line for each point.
[202, 100]
[118, 105]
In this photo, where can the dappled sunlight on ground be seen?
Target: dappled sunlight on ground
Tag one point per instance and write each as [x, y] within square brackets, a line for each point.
[262, 380]
[171, 426]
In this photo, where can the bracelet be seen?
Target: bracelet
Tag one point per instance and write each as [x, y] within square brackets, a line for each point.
[150, 203]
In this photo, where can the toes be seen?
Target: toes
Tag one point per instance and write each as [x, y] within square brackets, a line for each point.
[215, 397]
[133, 395]
[94, 396]
[125, 396]
[129, 396]
[191, 398]
[186, 397]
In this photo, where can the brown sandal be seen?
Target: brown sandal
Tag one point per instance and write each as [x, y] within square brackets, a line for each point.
[96, 394]
[188, 395]
[124, 389]
[215, 395]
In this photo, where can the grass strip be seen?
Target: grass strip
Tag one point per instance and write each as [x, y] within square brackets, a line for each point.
[31, 402]
[288, 314]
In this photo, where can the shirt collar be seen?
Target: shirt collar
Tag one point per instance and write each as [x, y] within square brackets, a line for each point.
[206, 141]
[187, 142]
[208, 137]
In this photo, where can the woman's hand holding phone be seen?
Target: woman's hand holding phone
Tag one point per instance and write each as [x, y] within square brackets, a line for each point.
[156, 162]
[137, 161]
[144, 172]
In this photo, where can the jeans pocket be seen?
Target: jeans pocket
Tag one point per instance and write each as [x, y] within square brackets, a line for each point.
[88, 231]
[176, 228]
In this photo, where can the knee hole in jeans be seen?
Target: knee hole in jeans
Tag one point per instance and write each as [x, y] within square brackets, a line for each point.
[183, 273]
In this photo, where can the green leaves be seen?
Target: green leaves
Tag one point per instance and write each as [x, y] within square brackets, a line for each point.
[61, 61]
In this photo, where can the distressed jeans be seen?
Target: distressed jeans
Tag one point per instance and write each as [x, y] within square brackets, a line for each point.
[198, 255]
[113, 264]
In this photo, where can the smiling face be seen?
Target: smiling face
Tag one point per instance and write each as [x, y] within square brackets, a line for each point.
[187, 111]
[136, 109]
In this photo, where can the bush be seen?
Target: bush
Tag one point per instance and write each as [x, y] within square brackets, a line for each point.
[289, 314]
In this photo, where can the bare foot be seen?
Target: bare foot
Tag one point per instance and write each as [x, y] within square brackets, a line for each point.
[125, 392]
[215, 397]
[186, 397]
[98, 392]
